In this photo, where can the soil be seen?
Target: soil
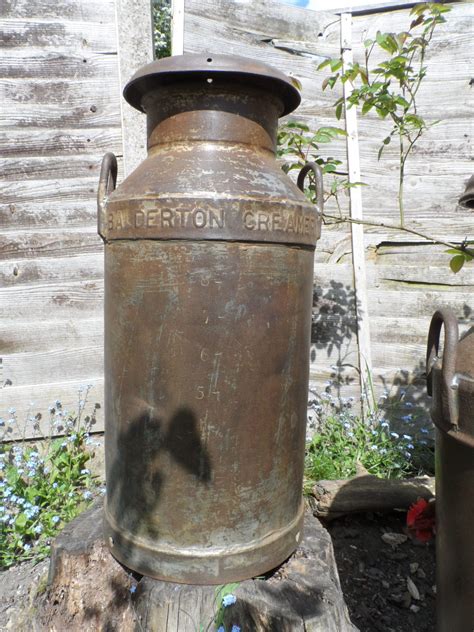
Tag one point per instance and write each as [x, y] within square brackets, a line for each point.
[374, 574]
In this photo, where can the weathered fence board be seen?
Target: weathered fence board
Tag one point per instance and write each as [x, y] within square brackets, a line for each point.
[407, 278]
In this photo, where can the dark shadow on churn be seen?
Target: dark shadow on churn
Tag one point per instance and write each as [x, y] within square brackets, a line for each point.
[134, 482]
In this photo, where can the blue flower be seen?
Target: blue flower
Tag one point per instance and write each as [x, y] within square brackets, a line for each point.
[38, 529]
[55, 519]
[410, 446]
[133, 588]
[221, 628]
[424, 430]
[235, 628]
[407, 437]
[228, 600]
[87, 495]
[407, 417]
[408, 405]
[384, 424]
[395, 435]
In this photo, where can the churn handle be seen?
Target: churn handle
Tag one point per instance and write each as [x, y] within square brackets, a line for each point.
[107, 182]
[318, 176]
[446, 317]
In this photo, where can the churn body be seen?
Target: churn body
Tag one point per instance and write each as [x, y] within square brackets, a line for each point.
[451, 384]
[208, 294]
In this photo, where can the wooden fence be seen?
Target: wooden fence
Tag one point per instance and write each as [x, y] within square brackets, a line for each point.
[62, 65]
[406, 277]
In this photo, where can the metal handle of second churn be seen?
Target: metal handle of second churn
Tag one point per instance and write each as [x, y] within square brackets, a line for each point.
[445, 317]
[318, 178]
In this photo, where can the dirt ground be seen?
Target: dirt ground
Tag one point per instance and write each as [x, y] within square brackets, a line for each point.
[374, 574]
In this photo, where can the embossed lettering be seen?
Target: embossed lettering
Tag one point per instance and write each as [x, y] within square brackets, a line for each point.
[263, 220]
[139, 219]
[166, 218]
[217, 219]
[199, 219]
[249, 221]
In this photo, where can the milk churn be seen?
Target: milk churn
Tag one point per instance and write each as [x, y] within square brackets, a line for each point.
[208, 294]
[451, 384]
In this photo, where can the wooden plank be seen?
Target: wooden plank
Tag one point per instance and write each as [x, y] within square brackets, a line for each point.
[49, 335]
[43, 63]
[96, 110]
[44, 367]
[61, 10]
[357, 231]
[48, 215]
[42, 190]
[48, 92]
[135, 49]
[31, 245]
[82, 267]
[39, 168]
[60, 143]
[87, 36]
[53, 302]
[31, 399]
[177, 27]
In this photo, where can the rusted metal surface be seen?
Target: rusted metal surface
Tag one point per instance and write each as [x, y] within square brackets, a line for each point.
[451, 384]
[208, 290]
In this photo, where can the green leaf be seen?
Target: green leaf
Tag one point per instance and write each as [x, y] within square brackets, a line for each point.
[335, 64]
[21, 521]
[367, 106]
[323, 64]
[457, 263]
[379, 155]
[368, 43]
[339, 111]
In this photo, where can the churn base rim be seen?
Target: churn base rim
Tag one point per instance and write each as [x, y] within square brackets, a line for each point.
[206, 565]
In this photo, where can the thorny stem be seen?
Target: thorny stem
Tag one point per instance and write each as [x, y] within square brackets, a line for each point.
[434, 240]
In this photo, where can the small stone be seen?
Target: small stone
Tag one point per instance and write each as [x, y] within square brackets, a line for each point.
[414, 567]
[385, 584]
[420, 573]
[395, 598]
[394, 539]
[414, 608]
[412, 589]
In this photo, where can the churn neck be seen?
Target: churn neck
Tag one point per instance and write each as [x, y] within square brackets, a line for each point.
[219, 98]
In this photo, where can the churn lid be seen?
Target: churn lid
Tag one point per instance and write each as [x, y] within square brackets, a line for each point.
[206, 66]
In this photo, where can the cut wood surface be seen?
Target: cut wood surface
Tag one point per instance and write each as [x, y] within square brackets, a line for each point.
[364, 493]
[89, 590]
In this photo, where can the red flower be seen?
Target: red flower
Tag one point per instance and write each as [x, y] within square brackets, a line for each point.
[421, 520]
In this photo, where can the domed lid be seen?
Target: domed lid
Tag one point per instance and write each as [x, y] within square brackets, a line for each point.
[211, 68]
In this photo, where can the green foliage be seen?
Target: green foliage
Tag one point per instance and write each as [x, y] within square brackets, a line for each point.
[224, 598]
[44, 487]
[343, 440]
[297, 145]
[162, 28]
[460, 256]
[391, 87]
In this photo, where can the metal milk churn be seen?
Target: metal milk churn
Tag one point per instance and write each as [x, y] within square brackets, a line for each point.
[451, 384]
[208, 294]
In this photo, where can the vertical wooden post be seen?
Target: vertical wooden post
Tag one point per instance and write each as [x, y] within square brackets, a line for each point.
[135, 49]
[357, 231]
[177, 27]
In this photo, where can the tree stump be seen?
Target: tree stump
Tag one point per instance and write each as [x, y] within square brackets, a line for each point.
[90, 591]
